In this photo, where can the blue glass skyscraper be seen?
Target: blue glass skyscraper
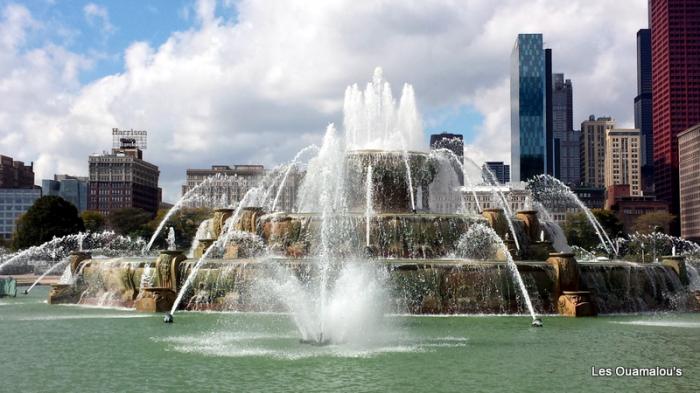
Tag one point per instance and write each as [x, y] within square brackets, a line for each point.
[527, 108]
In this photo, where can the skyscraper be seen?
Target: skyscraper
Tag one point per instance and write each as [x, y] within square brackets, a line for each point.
[548, 123]
[642, 107]
[593, 134]
[566, 140]
[527, 108]
[675, 79]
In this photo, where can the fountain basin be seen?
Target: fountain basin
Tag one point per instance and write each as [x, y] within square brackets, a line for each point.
[415, 286]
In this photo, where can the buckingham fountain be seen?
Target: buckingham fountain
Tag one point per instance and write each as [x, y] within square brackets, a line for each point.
[366, 238]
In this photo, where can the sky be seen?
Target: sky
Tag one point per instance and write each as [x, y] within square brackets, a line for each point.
[248, 82]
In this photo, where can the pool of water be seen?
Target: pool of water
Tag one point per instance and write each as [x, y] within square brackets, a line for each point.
[81, 349]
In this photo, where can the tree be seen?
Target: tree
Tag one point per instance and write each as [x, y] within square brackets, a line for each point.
[129, 221]
[580, 232]
[49, 216]
[608, 219]
[649, 222]
[185, 223]
[94, 221]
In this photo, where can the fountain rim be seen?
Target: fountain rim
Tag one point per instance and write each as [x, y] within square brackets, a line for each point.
[317, 215]
[493, 210]
[80, 253]
[576, 292]
[526, 211]
[156, 289]
[673, 257]
[171, 252]
[562, 254]
[387, 152]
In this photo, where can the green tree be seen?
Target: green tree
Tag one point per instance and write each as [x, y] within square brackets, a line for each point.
[94, 221]
[49, 216]
[580, 232]
[185, 223]
[129, 221]
[608, 219]
[650, 222]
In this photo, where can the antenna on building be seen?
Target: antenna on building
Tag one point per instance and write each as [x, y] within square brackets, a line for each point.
[129, 139]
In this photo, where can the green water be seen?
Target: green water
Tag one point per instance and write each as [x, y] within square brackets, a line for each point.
[79, 349]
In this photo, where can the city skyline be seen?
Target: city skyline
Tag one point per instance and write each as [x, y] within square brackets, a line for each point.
[458, 64]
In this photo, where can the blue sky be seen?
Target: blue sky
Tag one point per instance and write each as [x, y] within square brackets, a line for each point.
[68, 24]
[254, 81]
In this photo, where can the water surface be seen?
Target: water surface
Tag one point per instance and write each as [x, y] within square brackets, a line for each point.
[80, 349]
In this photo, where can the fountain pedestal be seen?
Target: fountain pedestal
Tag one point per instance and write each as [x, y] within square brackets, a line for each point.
[695, 301]
[167, 268]
[497, 220]
[63, 294]
[539, 250]
[677, 263]
[248, 221]
[576, 304]
[531, 224]
[218, 221]
[202, 247]
[155, 299]
[566, 277]
[75, 258]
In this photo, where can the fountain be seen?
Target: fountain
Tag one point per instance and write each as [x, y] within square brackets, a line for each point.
[171, 239]
[545, 187]
[367, 238]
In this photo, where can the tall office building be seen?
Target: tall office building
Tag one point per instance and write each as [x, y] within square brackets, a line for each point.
[17, 193]
[622, 159]
[689, 180]
[528, 82]
[71, 188]
[675, 79]
[500, 170]
[566, 140]
[122, 179]
[593, 134]
[642, 107]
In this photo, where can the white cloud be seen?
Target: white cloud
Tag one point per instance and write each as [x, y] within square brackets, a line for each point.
[262, 86]
[95, 14]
